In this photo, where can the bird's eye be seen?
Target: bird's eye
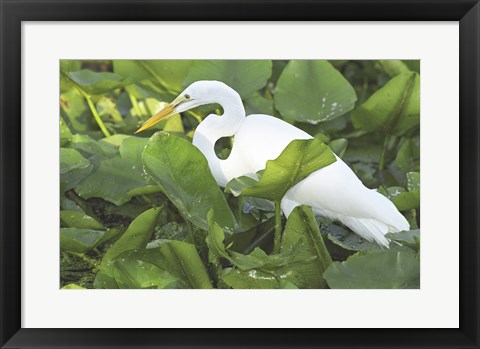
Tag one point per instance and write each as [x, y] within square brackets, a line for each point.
[187, 96]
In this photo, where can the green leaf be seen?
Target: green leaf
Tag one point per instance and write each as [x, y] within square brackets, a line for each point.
[170, 74]
[406, 158]
[413, 181]
[134, 273]
[405, 200]
[73, 287]
[381, 270]
[179, 260]
[68, 65]
[95, 83]
[299, 159]
[73, 168]
[244, 76]
[307, 268]
[339, 146]
[252, 279]
[115, 177]
[65, 134]
[183, 172]
[410, 238]
[413, 64]
[257, 104]
[79, 240]
[94, 150]
[107, 109]
[136, 237]
[393, 109]
[313, 91]
[75, 112]
[77, 219]
[349, 240]
[393, 67]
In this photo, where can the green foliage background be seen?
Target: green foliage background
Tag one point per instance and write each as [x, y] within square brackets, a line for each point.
[144, 211]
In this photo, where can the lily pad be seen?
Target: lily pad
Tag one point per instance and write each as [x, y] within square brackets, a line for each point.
[313, 91]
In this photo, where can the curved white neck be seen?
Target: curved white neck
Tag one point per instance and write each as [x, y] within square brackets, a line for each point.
[214, 127]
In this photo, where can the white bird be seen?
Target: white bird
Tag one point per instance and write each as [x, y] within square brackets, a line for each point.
[334, 192]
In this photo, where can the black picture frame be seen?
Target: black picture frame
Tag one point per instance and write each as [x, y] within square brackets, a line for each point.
[13, 12]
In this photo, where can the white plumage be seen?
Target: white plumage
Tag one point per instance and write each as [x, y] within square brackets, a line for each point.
[334, 191]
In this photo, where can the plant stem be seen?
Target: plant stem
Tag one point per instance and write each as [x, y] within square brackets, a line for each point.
[90, 104]
[96, 116]
[278, 228]
[381, 164]
[135, 106]
[156, 77]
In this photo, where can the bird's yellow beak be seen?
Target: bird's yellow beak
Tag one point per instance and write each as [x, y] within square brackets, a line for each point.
[163, 114]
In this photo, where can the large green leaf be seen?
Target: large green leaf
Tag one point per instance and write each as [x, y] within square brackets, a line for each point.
[65, 134]
[149, 74]
[178, 261]
[115, 177]
[394, 108]
[79, 240]
[78, 219]
[244, 76]
[75, 112]
[183, 172]
[299, 159]
[257, 259]
[386, 269]
[73, 168]
[136, 237]
[405, 199]
[307, 268]
[96, 83]
[409, 238]
[252, 279]
[93, 150]
[135, 273]
[408, 156]
[313, 91]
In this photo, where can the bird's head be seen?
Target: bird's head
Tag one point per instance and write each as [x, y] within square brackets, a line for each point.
[198, 93]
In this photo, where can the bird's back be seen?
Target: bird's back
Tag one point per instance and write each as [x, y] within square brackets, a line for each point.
[333, 191]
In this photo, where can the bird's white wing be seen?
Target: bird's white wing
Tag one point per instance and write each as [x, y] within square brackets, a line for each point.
[262, 138]
[333, 191]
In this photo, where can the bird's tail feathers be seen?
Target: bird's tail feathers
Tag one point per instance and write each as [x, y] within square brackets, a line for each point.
[386, 212]
[369, 229]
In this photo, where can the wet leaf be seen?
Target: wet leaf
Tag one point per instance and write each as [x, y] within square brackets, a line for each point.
[393, 109]
[170, 74]
[179, 263]
[299, 159]
[65, 134]
[96, 83]
[73, 168]
[134, 273]
[244, 76]
[136, 237]
[115, 177]
[183, 173]
[409, 238]
[313, 91]
[73, 287]
[77, 219]
[307, 268]
[387, 269]
[79, 240]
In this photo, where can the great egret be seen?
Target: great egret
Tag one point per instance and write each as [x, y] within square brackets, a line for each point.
[334, 191]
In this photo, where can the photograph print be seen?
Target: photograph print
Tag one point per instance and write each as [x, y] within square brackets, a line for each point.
[239, 174]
